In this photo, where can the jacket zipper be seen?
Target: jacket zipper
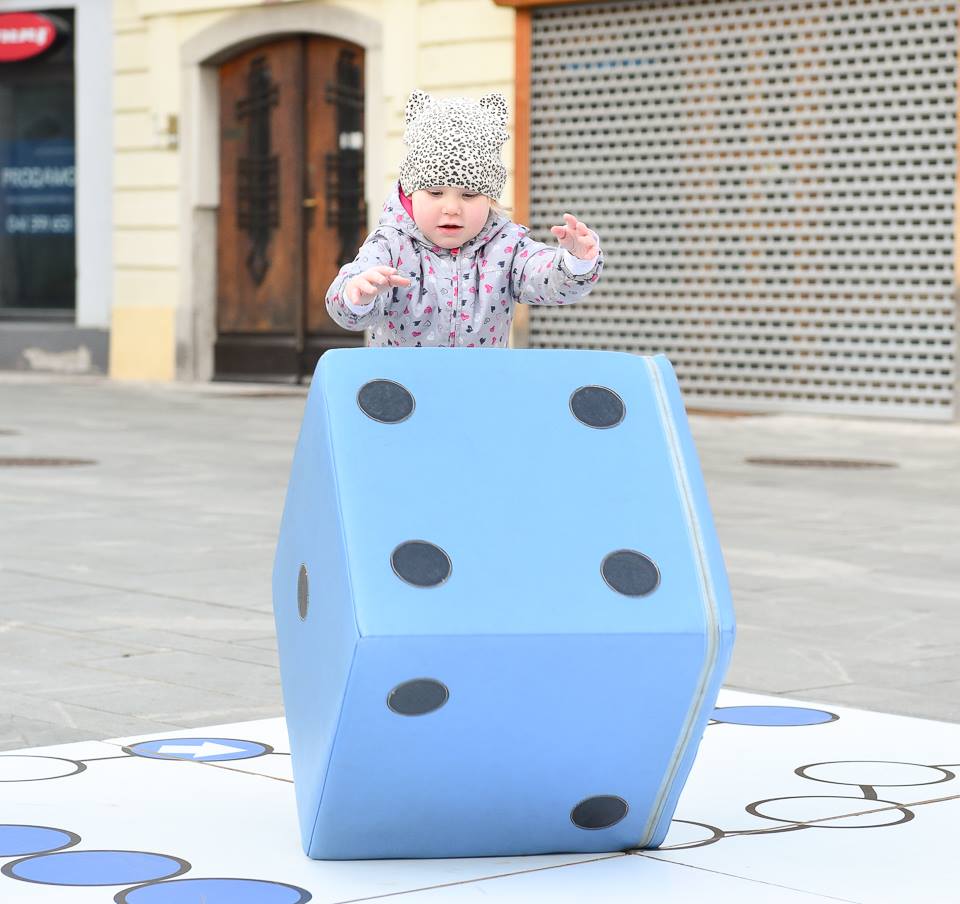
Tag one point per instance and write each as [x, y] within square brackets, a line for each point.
[454, 252]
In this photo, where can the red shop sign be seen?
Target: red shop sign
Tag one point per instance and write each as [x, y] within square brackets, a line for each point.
[24, 35]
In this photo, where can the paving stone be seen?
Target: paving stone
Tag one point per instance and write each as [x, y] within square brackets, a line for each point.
[50, 645]
[258, 683]
[52, 721]
[17, 732]
[211, 641]
[939, 700]
[113, 610]
[163, 702]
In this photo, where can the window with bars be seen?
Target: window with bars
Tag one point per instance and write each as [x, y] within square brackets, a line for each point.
[773, 184]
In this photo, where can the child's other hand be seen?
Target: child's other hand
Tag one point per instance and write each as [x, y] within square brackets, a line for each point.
[576, 238]
[365, 287]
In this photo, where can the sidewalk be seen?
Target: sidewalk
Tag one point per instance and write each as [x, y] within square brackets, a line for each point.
[135, 592]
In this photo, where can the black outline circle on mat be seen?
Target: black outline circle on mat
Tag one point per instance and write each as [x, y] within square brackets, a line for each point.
[425, 543]
[907, 814]
[128, 749]
[833, 716]
[716, 835]
[80, 767]
[74, 839]
[426, 712]
[609, 825]
[635, 552]
[619, 398]
[121, 896]
[303, 591]
[413, 401]
[7, 868]
[947, 774]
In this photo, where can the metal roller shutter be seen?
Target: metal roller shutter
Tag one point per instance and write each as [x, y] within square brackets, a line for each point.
[773, 184]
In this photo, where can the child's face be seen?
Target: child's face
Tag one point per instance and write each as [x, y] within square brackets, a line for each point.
[449, 216]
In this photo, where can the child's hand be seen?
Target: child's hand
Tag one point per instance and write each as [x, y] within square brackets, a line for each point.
[365, 287]
[576, 238]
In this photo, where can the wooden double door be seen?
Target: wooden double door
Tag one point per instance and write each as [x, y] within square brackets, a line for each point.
[291, 203]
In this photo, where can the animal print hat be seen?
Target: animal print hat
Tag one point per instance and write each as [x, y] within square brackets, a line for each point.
[455, 141]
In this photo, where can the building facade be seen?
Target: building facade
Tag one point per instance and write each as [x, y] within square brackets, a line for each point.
[774, 182]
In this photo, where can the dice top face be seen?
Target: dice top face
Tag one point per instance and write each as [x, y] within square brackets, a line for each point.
[509, 491]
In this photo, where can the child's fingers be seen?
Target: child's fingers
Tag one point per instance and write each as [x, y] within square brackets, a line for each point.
[575, 225]
[385, 276]
[365, 287]
[564, 236]
[354, 295]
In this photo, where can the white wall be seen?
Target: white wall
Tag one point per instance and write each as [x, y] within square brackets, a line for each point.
[93, 50]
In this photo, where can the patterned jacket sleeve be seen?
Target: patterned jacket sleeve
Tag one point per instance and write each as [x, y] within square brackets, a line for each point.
[373, 252]
[539, 275]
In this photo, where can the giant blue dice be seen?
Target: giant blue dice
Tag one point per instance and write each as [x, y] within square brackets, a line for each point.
[502, 612]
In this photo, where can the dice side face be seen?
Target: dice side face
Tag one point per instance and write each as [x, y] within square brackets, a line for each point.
[513, 504]
[713, 556]
[528, 734]
[313, 609]
[722, 624]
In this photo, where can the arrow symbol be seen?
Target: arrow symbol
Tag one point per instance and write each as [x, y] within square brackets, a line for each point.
[207, 748]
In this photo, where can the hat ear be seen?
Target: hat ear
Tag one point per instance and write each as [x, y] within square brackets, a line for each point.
[496, 104]
[418, 100]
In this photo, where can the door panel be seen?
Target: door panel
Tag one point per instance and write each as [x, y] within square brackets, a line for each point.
[281, 227]
[335, 170]
[260, 221]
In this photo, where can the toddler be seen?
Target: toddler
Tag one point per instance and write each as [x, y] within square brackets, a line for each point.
[446, 265]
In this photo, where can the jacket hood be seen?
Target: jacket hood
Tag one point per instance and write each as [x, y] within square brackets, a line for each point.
[395, 216]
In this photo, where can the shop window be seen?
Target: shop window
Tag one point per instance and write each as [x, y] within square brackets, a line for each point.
[37, 166]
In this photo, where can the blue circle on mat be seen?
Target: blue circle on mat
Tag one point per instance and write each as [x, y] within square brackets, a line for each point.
[95, 868]
[215, 891]
[199, 750]
[775, 716]
[18, 841]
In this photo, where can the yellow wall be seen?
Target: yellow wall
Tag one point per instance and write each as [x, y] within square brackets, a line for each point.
[142, 342]
[442, 46]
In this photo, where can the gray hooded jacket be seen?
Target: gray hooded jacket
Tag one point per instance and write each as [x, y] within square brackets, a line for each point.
[459, 297]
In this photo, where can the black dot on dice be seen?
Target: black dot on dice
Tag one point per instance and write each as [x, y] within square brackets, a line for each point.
[630, 572]
[418, 697]
[385, 401]
[597, 406]
[303, 592]
[599, 812]
[420, 563]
